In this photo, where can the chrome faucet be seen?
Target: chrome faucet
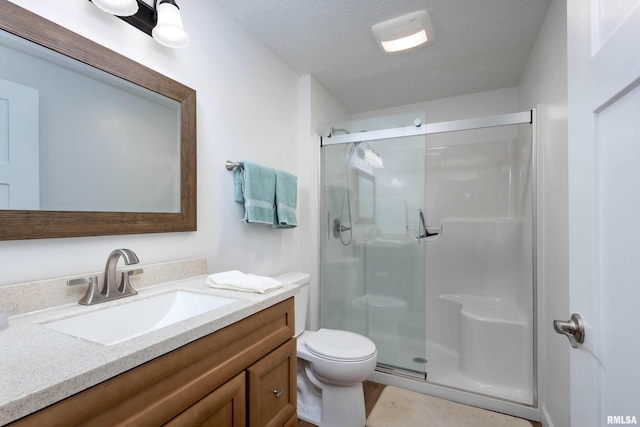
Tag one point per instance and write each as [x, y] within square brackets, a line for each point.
[110, 290]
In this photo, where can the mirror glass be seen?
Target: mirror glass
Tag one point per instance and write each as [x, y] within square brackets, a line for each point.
[91, 142]
[75, 138]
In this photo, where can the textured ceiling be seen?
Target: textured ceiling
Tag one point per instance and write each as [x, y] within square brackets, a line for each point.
[479, 45]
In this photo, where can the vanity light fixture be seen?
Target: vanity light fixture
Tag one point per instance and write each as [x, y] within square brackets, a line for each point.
[118, 7]
[161, 19]
[404, 32]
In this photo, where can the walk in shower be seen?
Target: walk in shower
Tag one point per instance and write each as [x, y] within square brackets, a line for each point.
[428, 248]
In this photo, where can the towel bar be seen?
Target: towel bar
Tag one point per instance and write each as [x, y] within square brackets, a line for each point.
[232, 165]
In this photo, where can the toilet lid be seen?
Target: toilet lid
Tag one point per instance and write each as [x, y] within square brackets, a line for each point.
[340, 345]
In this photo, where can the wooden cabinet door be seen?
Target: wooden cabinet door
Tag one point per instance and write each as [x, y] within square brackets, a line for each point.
[293, 421]
[272, 387]
[224, 407]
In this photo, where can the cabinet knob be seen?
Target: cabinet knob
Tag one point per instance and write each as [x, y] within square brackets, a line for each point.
[278, 393]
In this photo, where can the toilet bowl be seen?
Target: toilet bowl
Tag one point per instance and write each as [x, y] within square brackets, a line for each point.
[332, 365]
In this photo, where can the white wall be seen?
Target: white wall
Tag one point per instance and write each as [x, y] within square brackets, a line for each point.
[247, 106]
[479, 104]
[544, 84]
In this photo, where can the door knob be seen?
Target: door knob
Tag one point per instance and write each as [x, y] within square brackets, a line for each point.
[572, 329]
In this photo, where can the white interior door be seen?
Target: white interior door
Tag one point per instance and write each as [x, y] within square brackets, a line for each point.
[604, 208]
[19, 147]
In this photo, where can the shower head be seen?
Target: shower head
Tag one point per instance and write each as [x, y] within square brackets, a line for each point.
[372, 157]
[368, 154]
[362, 149]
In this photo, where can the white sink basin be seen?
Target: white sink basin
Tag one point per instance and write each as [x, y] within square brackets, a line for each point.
[120, 323]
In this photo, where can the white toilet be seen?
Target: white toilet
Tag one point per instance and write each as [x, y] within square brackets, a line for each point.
[332, 365]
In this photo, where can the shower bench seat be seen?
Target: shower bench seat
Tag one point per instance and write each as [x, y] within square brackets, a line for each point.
[495, 344]
[488, 309]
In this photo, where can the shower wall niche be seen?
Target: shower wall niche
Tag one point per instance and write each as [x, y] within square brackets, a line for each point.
[451, 306]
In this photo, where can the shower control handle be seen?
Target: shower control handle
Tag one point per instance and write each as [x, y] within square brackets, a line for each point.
[338, 228]
[572, 329]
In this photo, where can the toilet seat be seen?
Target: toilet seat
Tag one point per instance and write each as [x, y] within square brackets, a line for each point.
[340, 346]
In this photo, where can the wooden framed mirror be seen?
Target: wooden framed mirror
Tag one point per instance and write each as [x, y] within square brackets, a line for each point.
[78, 217]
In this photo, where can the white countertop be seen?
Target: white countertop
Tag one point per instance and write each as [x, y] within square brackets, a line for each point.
[39, 366]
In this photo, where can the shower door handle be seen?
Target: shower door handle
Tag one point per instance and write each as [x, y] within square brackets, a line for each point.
[572, 329]
[424, 226]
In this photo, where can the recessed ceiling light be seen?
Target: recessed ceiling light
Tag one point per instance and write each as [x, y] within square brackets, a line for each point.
[404, 32]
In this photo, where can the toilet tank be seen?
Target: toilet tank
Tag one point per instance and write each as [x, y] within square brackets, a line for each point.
[301, 300]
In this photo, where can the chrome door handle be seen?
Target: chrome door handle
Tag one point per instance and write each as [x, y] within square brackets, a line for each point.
[572, 329]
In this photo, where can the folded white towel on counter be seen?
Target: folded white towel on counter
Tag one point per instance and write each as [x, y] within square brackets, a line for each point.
[239, 281]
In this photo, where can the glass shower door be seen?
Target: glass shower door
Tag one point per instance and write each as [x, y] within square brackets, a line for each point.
[457, 309]
[372, 259]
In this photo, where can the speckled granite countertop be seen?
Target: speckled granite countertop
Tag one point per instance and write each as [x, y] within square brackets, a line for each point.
[39, 366]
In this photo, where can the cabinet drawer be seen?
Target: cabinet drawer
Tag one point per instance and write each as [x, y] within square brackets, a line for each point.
[224, 407]
[272, 387]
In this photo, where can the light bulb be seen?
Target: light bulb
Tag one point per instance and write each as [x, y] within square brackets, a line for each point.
[169, 30]
[118, 7]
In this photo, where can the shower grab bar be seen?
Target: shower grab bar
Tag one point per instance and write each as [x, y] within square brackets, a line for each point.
[424, 226]
[229, 165]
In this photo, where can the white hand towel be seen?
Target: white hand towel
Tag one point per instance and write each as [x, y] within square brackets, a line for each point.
[238, 281]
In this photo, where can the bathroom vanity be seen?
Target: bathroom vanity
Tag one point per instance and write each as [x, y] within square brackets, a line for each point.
[250, 364]
[234, 366]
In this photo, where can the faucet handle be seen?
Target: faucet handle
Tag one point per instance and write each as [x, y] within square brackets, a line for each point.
[82, 281]
[93, 294]
[134, 272]
[125, 287]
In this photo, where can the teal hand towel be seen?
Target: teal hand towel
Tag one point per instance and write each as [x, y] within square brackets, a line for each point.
[239, 187]
[255, 187]
[286, 200]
